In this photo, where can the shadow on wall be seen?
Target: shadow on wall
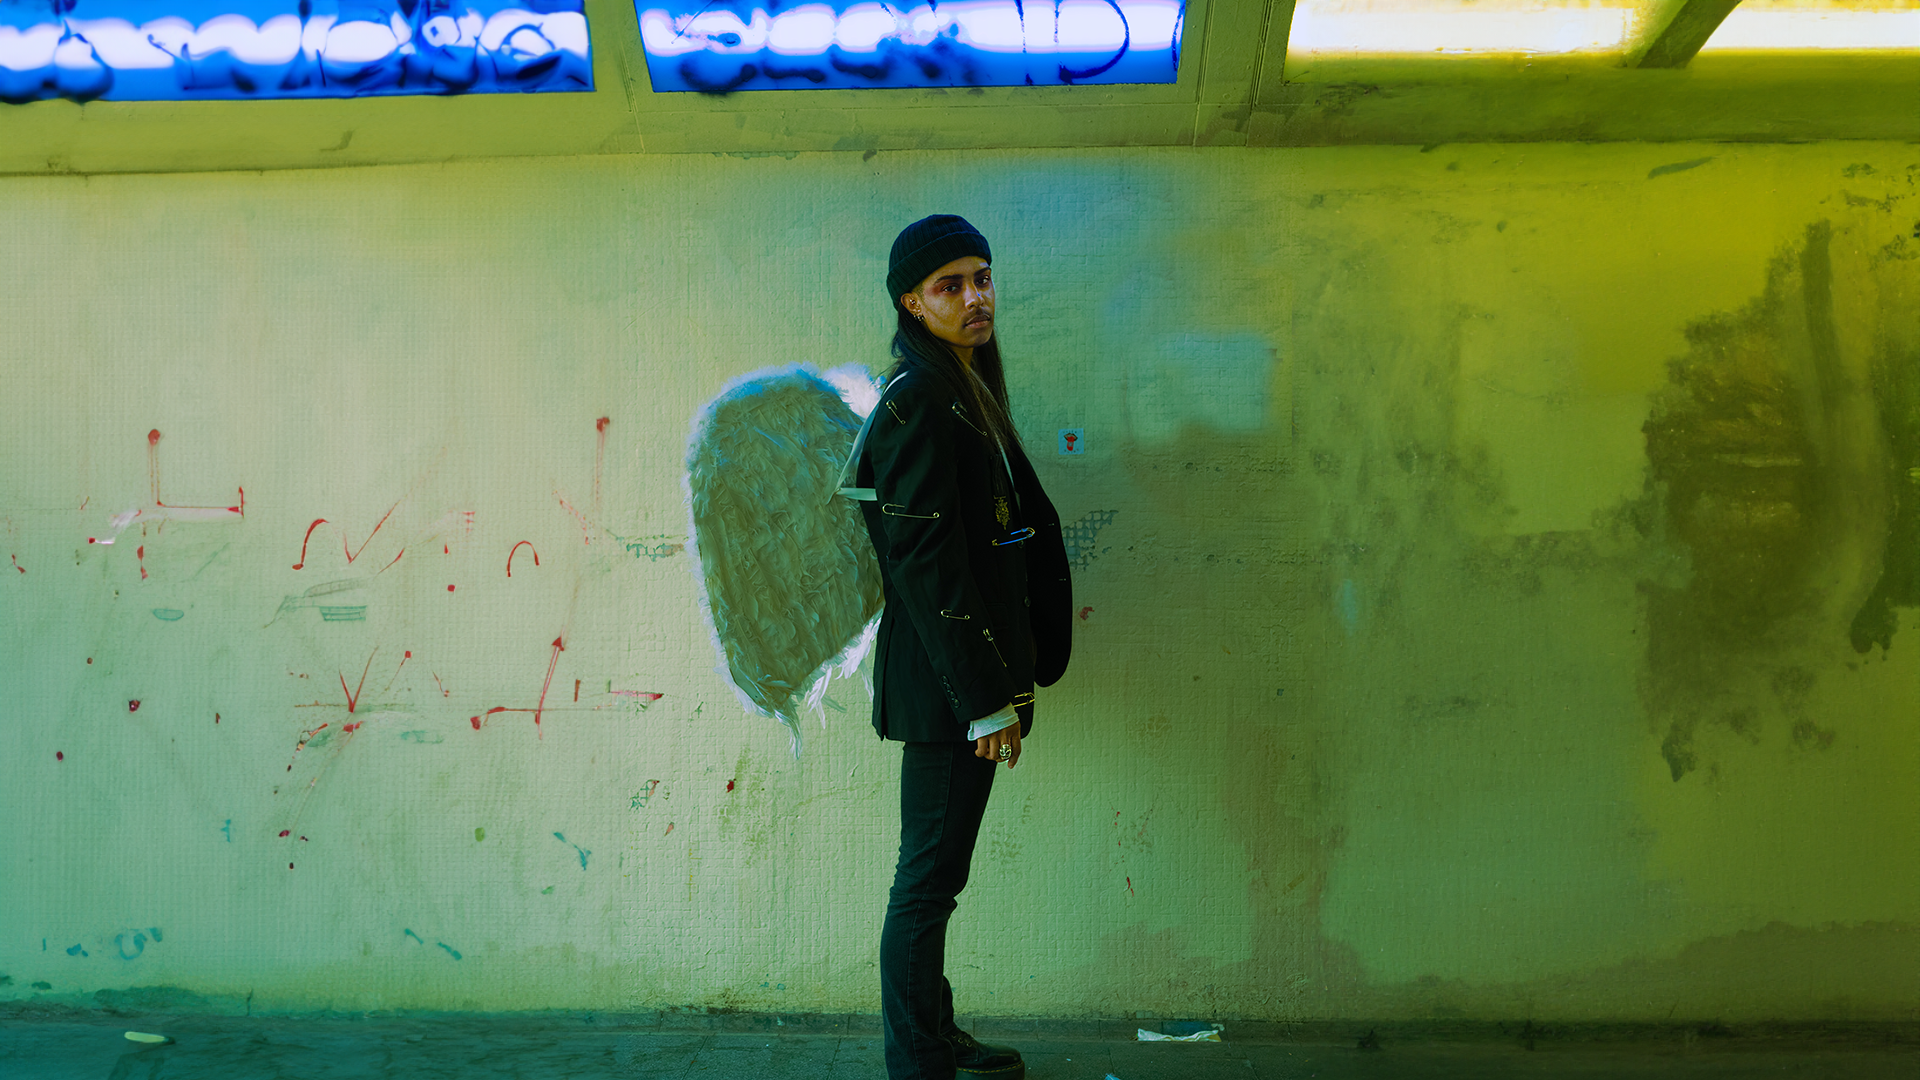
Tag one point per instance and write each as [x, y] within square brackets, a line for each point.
[1783, 473]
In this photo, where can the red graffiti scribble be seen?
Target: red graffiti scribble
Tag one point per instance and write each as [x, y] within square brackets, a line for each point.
[306, 737]
[541, 706]
[153, 462]
[353, 698]
[16, 563]
[140, 554]
[1084, 612]
[286, 832]
[576, 689]
[496, 709]
[317, 522]
[59, 755]
[395, 559]
[729, 785]
[89, 659]
[243, 503]
[85, 501]
[216, 718]
[551, 664]
[354, 554]
[643, 697]
[134, 705]
[1129, 886]
[669, 829]
[348, 730]
[528, 544]
[586, 527]
[599, 459]
[449, 588]
[444, 692]
[396, 672]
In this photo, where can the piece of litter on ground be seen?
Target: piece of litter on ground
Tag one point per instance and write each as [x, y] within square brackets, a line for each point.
[1210, 1035]
[144, 1037]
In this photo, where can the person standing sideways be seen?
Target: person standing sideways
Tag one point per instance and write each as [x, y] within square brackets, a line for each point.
[978, 611]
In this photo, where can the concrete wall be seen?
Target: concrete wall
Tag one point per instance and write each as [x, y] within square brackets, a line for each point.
[1497, 582]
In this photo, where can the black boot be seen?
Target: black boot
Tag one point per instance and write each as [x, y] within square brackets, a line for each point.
[975, 1059]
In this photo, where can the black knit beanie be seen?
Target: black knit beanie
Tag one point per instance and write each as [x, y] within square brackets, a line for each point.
[926, 246]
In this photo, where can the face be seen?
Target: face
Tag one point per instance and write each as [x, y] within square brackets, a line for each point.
[957, 301]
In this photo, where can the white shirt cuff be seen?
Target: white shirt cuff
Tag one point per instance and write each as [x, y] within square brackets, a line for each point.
[987, 725]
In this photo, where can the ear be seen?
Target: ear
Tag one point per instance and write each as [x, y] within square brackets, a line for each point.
[911, 302]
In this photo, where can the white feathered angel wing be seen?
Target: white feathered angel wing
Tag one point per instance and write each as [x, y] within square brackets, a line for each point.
[786, 571]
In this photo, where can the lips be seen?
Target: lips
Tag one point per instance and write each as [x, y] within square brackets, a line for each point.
[982, 321]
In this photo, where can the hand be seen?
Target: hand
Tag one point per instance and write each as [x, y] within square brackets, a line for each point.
[989, 747]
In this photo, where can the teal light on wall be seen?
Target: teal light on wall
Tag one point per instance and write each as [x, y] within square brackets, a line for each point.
[143, 50]
[723, 46]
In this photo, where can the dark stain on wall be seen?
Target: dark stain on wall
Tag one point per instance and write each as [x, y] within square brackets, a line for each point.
[1896, 395]
[1752, 457]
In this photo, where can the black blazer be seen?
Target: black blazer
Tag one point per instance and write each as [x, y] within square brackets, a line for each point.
[978, 610]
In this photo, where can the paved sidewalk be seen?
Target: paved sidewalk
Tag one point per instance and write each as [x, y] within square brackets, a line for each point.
[458, 1048]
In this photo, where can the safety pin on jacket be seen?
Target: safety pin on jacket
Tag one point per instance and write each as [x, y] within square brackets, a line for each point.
[965, 419]
[996, 647]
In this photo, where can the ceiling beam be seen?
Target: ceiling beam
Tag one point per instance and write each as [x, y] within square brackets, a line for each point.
[1272, 73]
[1671, 31]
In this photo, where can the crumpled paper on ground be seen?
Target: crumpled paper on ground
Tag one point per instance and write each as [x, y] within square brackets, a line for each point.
[1212, 1034]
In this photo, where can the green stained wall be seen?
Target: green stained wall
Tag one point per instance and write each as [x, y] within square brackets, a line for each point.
[1497, 570]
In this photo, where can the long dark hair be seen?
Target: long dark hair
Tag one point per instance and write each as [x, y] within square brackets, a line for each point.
[982, 387]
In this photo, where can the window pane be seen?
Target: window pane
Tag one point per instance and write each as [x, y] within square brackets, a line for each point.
[746, 45]
[143, 50]
[1380, 27]
[1808, 24]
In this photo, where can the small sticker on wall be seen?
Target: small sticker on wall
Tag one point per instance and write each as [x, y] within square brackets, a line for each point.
[1073, 441]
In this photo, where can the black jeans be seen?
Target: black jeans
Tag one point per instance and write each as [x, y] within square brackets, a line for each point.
[943, 795]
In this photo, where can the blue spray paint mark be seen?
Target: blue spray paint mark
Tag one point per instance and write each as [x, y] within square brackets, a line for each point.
[228, 829]
[1079, 536]
[413, 935]
[716, 48]
[168, 614]
[450, 949]
[1348, 604]
[139, 944]
[583, 851]
[185, 50]
[76, 950]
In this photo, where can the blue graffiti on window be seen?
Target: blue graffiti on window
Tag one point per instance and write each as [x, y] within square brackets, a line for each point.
[183, 50]
[726, 45]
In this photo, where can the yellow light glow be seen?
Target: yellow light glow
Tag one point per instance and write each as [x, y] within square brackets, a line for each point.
[1375, 27]
[1809, 24]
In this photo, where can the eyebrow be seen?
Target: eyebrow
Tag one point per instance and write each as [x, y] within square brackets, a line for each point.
[956, 277]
